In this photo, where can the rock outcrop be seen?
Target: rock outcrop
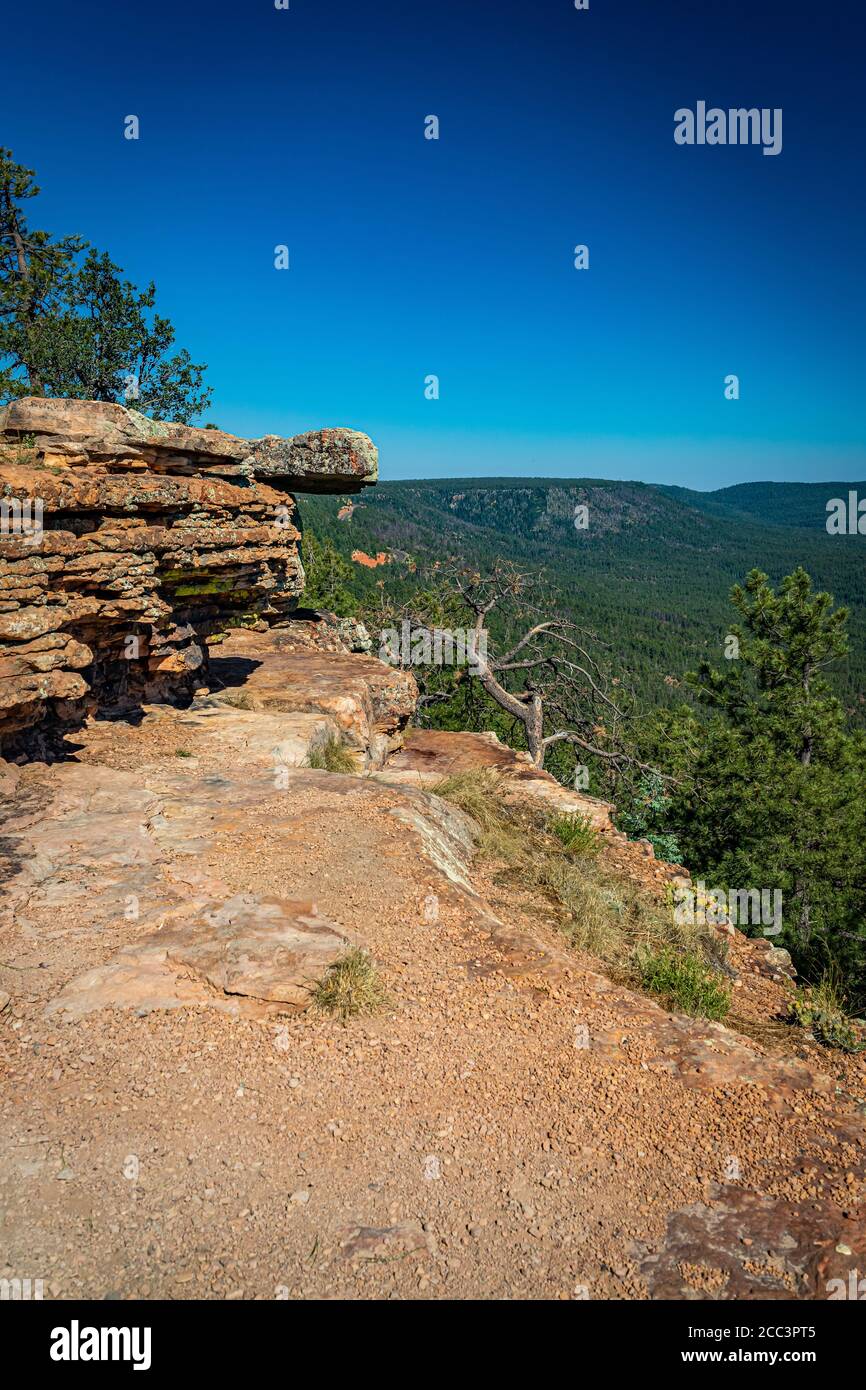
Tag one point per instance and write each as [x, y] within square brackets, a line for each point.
[127, 543]
[281, 684]
[68, 433]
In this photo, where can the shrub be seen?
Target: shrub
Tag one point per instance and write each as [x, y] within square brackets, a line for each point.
[822, 1009]
[643, 818]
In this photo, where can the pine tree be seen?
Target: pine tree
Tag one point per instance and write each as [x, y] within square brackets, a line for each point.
[35, 275]
[73, 327]
[327, 577]
[776, 799]
[106, 346]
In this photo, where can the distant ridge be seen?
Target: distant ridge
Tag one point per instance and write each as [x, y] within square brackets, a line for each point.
[774, 504]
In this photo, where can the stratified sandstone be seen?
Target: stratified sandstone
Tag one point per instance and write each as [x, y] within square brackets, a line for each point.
[366, 704]
[66, 433]
[127, 542]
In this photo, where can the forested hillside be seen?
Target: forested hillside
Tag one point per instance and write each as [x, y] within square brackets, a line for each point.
[650, 573]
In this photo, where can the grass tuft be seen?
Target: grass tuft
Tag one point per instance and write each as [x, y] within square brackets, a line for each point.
[576, 833]
[240, 699]
[685, 980]
[333, 756]
[350, 988]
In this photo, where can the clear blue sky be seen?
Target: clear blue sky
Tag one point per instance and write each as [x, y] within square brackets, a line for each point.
[410, 257]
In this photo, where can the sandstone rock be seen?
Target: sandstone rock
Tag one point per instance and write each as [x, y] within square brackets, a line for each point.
[122, 862]
[354, 634]
[702, 1054]
[320, 461]
[366, 702]
[131, 542]
[115, 854]
[429, 755]
[772, 961]
[745, 1245]
[273, 741]
[263, 950]
[69, 432]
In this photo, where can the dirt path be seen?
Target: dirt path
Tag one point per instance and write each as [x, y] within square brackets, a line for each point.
[511, 1126]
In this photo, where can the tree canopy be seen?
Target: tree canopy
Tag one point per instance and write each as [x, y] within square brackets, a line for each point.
[70, 325]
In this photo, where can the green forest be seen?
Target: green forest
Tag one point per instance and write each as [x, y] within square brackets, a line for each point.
[650, 574]
[724, 635]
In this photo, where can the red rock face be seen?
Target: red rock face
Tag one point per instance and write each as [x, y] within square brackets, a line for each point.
[125, 543]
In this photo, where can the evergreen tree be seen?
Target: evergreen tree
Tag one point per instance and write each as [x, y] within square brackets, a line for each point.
[106, 346]
[327, 577]
[73, 327]
[35, 275]
[776, 799]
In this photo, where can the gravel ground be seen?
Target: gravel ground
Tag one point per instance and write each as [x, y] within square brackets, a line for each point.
[480, 1138]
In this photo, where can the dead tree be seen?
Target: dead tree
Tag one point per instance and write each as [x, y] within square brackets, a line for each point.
[548, 679]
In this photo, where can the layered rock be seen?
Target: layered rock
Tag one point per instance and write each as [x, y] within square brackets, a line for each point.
[126, 543]
[66, 433]
[277, 680]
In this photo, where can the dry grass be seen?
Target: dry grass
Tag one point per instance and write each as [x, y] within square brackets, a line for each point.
[478, 793]
[598, 909]
[240, 699]
[333, 756]
[351, 988]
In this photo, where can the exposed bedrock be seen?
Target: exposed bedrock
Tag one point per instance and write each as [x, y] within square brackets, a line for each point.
[67, 432]
[127, 543]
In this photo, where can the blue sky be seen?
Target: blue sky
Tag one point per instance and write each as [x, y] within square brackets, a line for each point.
[454, 257]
